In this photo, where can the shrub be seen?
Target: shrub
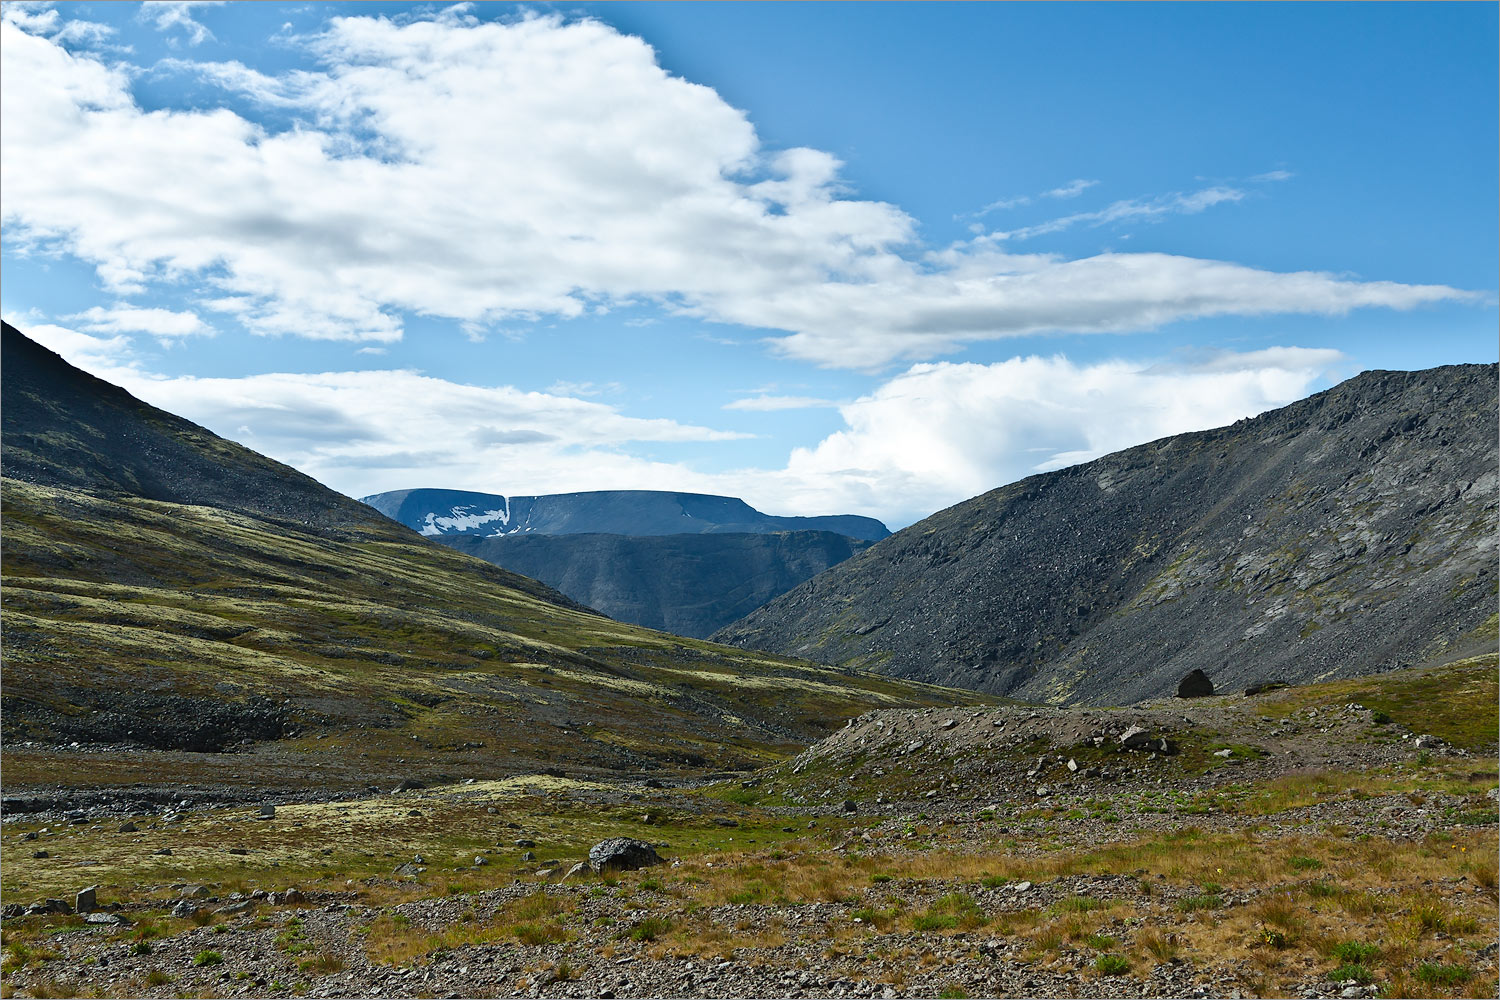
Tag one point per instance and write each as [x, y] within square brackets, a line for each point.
[1359, 973]
[1302, 864]
[141, 948]
[206, 957]
[650, 929]
[1354, 952]
[1205, 902]
[1436, 974]
[1111, 965]
[953, 992]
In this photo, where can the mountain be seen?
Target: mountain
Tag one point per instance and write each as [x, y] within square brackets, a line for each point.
[683, 562]
[1346, 534]
[687, 584]
[169, 593]
[442, 513]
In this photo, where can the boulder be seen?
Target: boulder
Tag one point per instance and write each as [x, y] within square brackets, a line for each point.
[267, 811]
[184, 909]
[128, 827]
[107, 919]
[87, 900]
[408, 785]
[577, 871]
[622, 854]
[1195, 685]
[1135, 738]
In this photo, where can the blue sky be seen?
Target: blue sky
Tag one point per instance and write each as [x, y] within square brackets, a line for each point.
[843, 257]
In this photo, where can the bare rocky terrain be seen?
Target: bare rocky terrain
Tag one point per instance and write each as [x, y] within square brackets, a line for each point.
[988, 851]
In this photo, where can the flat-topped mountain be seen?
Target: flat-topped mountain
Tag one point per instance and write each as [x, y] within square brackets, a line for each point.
[439, 513]
[169, 593]
[687, 584]
[1345, 534]
[687, 563]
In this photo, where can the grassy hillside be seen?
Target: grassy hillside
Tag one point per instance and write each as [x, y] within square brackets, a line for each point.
[167, 592]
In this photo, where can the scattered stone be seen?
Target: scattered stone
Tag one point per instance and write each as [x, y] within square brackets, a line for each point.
[492, 810]
[12, 910]
[622, 854]
[1135, 738]
[528, 856]
[525, 843]
[288, 897]
[480, 860]
[577, 871]
[87, 900]
[1195, 685]
[1042, 791]
[128, 827]
[414, 812]
[1426, 742]
[39, 854]
[164, 852]
[1072, 765]
[1021, 887]
[408, 785]
[107, 919]
[186, 908]
[238, 850]
[267, 811]
[850, 806]
[1224, 753]
[947, 724]
[545, 873]
[243, 906]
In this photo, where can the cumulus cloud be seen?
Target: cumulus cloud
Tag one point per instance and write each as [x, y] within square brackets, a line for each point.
[543, 168]
[940, 433]
[164, 323]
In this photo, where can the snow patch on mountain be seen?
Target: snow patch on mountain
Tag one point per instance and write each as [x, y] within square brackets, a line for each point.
[464, 519]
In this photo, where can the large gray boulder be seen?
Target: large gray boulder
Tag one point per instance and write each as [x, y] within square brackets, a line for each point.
[622, 854]
[1195, 685]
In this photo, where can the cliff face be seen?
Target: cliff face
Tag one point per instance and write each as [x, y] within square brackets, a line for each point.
[1345, 534]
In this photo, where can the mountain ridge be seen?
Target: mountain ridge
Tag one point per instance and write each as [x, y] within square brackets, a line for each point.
[441, 512]
[1257, 550]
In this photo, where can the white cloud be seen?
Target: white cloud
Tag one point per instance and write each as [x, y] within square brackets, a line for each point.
[163, 323]
[543, 169]
[1072, 189]
[1131, 210]
[169, 15]
[766, 402]
[106, 357]
[1273, 175]
[940, 433]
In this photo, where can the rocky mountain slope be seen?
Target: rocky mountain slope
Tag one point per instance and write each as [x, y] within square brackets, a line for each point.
[441, 513]
[1346, 534]
[682, 562]
[686, 584]
[169, 593]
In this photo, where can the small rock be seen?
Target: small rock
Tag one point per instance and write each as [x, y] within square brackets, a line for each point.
[528, 856]
[408, 785]
[480, 860]
[1134, 738]
[267, 811]
[128, 827]
[1224, 753]
[29, 835]
[164, 852]
[186, 908]
[577, 871]
[1072, 765]
[243, 906]
[1021, 887]
[947, 724]
[239, 851]
[525, 843]
[850, 806]
[545, 873]
[39, 854]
